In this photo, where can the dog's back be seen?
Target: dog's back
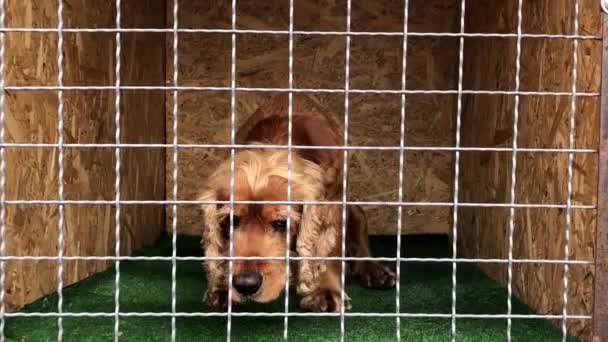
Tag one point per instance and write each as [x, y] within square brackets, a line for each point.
[310, 127]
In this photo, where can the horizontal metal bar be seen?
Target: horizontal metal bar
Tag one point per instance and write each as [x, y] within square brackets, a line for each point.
[303, 90]
[293, 202]
[289, 314]
[300, 32]
[294, 258]
[304, 147]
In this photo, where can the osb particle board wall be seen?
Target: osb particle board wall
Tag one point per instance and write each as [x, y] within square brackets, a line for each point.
[204, 117]
[31, 117]
[541, 177]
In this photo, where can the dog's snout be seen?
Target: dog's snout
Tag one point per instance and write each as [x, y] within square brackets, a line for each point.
[247, 283]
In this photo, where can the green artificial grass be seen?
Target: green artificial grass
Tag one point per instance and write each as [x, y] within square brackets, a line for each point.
[145, 286]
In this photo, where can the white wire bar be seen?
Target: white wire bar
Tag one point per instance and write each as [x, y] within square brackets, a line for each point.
[361, 203]
[117, 169]
[2, 177]
[291, 314]
[303, 90]
[175, 168]
[457, 168]
[514, 169]
[232, 165]
[308, 147]
[281, 258]
[60, 204]
[289, 170]
[572, 127]
[305, 33]
[401, 170]
[345, 171]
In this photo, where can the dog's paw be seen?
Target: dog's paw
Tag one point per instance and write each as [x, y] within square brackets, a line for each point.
[375, 275]
[325, 301]
[216, 298]
[307, 278]
[304, 288]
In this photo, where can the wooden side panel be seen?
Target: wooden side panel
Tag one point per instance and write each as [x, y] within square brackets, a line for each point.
[31, 117]
[600, 300]
[546, 65]
[262, 61]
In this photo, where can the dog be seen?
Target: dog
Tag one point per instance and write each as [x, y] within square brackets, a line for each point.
[259, 230]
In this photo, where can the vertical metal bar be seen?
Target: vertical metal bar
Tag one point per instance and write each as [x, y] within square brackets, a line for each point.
[60, 172]
[401, 169]
[345, 168]
[514, 170]
[175, 168]
[117, 179]
[457, 167]
[572, 128]
[2, 178]
[289, 171]
[600, 305]
[232, 165]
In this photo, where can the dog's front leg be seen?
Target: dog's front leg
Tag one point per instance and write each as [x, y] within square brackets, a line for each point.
[327, 297]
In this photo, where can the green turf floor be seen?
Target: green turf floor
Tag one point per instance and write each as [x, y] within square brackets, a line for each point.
[146, 287]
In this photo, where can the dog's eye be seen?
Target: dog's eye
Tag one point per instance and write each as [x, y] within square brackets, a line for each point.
[225, 226]
[279, 225]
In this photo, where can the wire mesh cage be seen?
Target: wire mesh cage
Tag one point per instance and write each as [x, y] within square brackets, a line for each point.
[472, 137]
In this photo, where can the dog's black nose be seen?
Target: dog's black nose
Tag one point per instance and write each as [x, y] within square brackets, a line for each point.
[247, 283]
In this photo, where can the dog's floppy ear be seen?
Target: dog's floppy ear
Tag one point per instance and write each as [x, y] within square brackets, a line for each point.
[318, 236]
[212, 238]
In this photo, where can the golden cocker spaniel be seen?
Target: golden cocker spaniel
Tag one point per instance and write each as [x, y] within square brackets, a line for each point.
[260, 229]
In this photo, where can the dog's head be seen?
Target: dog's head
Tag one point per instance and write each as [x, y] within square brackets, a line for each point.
[260, 230]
